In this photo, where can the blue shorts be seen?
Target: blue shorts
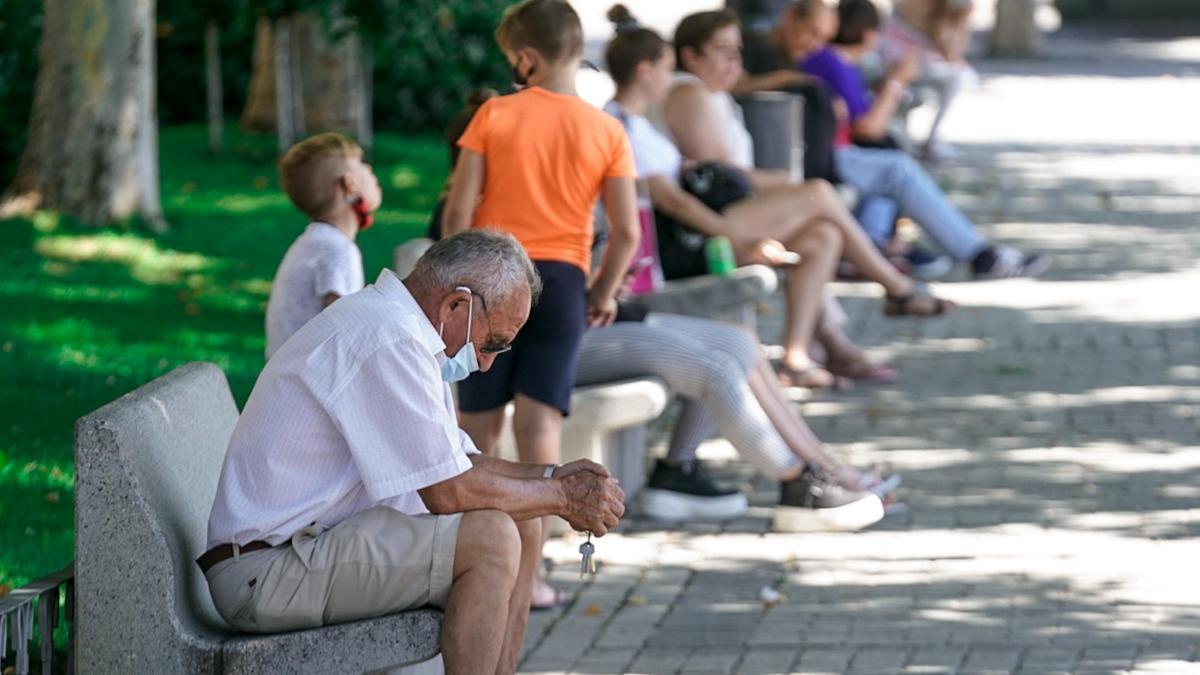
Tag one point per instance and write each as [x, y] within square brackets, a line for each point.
[541, 364]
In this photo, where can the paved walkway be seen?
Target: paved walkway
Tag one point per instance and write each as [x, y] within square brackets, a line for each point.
[1048, 433]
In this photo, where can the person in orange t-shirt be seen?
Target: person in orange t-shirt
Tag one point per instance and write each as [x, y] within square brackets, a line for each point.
[533, 164]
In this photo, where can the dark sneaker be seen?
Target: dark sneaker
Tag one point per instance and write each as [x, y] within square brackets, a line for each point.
[685, 491]
[928, 266]
[1005, 262]
[813, 503]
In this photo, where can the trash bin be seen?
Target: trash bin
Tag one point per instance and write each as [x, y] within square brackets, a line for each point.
[776, 123]
[757, 15]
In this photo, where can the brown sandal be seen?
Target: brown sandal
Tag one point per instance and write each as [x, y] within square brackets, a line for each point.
[920, 302]
[810, 377]
[862, 369]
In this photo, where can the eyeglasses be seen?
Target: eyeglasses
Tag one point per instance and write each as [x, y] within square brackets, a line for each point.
[491, 347]
[729, 52]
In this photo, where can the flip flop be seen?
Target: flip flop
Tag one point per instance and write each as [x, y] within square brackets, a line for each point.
[810, 377]
[885, 487]
[919, 303]
[560, 597]
[863, 370]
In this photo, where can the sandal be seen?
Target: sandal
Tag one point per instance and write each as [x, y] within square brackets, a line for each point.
[920, 302]
[560, 597]
[862, 369]
[809, 377]
[886, 487]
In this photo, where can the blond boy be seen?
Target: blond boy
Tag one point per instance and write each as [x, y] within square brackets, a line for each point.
[326, 179]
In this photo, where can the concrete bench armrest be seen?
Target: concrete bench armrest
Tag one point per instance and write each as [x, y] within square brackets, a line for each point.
[715, 297]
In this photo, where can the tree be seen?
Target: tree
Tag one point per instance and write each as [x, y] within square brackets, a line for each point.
[310, 73]
[1016, 31]
[212, 79]
[213, 88]
[92, 148]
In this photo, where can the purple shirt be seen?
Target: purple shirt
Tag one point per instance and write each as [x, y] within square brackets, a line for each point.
[842, 77]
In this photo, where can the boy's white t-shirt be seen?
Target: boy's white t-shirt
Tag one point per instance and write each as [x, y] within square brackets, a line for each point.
[322, 260]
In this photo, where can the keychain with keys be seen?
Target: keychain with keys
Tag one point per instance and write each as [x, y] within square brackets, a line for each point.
[587, 550]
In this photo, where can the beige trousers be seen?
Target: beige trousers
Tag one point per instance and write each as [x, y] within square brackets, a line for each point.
[376, 562]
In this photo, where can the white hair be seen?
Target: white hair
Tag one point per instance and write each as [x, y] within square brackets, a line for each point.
[486, 261]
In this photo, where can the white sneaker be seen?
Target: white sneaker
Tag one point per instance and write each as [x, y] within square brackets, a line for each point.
[812, 503]
[1009, 263]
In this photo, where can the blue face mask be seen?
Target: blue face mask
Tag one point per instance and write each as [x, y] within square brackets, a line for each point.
[456, 368]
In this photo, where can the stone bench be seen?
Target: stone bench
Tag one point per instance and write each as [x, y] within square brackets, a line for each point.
[607, 425]
[147, 468]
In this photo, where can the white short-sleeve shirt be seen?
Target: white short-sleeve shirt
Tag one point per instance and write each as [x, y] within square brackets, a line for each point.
[653, 153]
[321, 261]
[351, 413]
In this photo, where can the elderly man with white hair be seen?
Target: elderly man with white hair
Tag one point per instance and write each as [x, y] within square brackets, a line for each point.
[348, 490]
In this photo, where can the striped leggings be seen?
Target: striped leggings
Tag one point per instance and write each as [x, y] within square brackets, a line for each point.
[705, 363]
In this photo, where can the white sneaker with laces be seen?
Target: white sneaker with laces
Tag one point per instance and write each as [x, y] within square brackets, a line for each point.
[1009, 263]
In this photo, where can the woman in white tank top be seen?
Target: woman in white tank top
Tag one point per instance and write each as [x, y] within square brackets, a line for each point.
[738, 145]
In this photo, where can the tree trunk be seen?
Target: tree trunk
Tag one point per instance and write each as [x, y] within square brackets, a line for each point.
[331, 74]
[92, 149]
[284, 93]
[1016, 31]
[259, 113]
[366, 127]
[330, 81]
[295, 64]
[212, 72]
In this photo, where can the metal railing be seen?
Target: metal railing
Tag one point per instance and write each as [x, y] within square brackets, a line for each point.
[43, 597]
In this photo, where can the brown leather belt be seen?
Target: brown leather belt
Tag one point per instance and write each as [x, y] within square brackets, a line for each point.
[223, 552]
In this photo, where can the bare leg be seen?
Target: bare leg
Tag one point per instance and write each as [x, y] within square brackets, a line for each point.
[791, 427]
[484, 428]
[538, 428]
[518, 605]
[486, 561]
[796, 433]
[837, 344]
[819, 247]
[786, 213]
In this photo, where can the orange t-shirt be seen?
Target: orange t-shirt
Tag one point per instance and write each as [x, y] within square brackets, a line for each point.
[547, 156]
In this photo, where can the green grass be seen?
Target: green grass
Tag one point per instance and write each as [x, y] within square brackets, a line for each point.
[88, 314]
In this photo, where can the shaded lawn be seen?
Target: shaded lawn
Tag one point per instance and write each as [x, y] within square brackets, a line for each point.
[89, 314]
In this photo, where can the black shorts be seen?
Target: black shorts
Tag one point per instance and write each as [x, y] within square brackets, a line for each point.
[541, 364]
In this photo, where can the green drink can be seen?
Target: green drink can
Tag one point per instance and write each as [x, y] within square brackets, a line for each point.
[718, 251]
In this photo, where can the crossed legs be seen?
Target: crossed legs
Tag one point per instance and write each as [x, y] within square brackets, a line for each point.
[810, 219]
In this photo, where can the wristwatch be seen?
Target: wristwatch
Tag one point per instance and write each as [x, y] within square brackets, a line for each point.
[550, 469]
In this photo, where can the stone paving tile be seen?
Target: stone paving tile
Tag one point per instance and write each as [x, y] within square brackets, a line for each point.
[1048, 433]
[767, 660]
[660, 660]
[940, 659]
[878, 660]
[605, 661]
[819, 659]
[984, 659]
[710, 661]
